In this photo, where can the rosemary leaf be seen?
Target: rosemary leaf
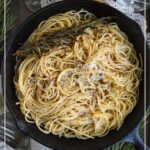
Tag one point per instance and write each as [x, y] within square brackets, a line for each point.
[9, 20]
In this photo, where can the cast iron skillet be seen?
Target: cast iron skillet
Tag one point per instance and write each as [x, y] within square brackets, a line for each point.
[127, 25]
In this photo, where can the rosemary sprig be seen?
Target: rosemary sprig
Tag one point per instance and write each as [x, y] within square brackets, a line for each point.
[144, 121]
[9, 20]
[122, 146]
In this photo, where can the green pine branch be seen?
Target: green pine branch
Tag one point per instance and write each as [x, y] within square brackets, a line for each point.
[9, 20]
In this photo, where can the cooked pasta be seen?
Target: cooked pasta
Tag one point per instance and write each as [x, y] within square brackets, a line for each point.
[80, 85]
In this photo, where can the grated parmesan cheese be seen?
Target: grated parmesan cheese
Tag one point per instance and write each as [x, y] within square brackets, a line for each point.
[91, 66]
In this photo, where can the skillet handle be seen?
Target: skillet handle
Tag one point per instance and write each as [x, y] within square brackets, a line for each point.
[134, 138]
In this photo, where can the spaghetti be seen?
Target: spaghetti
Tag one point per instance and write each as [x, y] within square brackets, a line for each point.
[78, 86]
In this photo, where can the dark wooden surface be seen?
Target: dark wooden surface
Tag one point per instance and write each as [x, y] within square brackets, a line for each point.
[148, 19]
[20, 11]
